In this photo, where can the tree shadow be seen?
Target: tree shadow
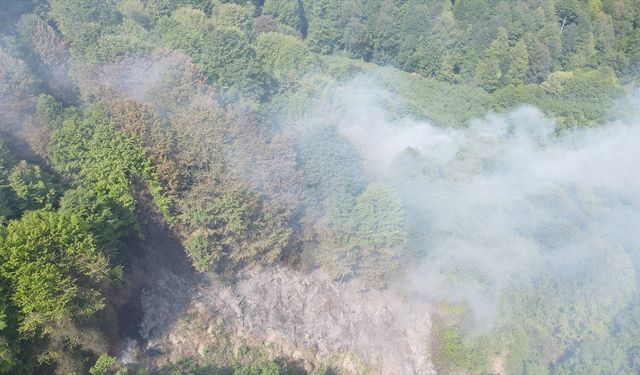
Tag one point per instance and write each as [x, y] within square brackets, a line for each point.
[158, 284]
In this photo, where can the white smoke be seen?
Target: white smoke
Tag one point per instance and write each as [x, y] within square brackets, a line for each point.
[506, 200]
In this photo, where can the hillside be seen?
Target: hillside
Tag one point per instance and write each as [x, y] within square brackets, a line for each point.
[319, 187]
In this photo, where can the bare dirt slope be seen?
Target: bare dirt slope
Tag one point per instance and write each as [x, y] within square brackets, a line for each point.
[172, 312]
[305, 317]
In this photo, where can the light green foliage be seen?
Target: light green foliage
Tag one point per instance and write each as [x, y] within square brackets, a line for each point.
[380, 233]
[220, 45]
[558, 35]
[185, 30]
[102, 164]
[330, 164]
[454, 346]
[616, 353]
[287, 12]
[82, 22]
[488, 74]
[9, 345]
[454, 350]
[580, 97]
[555, 82]
[227, 52]
[285, 57]
[189, 17]
[54, 269]
[108, 219]
[49, 112]
[234, 16]
[458, 42]
[189, 366]
[129, 39]
[32, 188]
[322, 37]
[430, 99]
[203, 366]
[103, 365]
[9, 339]
[262, 367]
[581, 318]
[323, 30]
[379, 217]
[156, 9]
[519, 65]
[4, 305]
[567, 316]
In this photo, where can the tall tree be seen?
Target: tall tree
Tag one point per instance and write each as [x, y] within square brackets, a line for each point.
[287, 12]
[517, 74]
[539, 62]
[489, 70]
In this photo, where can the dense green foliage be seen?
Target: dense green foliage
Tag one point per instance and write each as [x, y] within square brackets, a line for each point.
[101, 165]
[231, 227]
[32, 188]
[197, 111]
[53, 266]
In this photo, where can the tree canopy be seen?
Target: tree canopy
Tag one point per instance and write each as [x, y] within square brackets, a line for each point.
[218, 123]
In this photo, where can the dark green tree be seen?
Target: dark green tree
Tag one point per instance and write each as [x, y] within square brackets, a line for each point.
[232, 226]
[539, 62]
[6, 194]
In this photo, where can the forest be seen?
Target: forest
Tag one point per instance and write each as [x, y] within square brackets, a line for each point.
[472, 163]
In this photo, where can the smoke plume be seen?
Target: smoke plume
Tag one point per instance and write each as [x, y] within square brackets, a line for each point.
[507, 202]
